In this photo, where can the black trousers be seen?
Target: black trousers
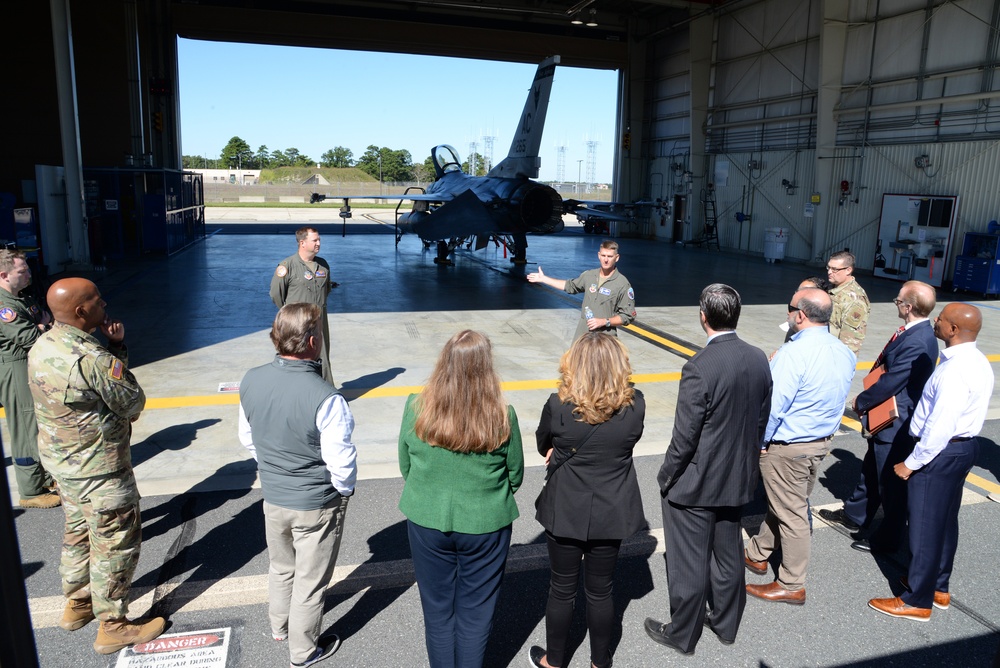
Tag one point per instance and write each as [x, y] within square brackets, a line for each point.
[704, 568]
[598, 558]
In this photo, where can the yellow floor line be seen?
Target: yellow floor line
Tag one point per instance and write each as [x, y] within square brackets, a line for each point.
[233, 399]
[983, 483]
[659, 339]
[850, 423]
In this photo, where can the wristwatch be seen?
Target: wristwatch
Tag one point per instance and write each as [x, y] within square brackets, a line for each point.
[608, 323]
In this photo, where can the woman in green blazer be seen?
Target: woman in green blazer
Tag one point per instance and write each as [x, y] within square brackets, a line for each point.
[460, 455]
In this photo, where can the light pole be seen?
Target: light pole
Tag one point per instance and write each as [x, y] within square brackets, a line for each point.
[379, 174]
[579, 168]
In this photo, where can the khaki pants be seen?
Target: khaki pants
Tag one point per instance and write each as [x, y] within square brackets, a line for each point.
[789, 473]
[302, 546]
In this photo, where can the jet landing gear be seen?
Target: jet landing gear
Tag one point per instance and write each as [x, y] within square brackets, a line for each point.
[444, 249]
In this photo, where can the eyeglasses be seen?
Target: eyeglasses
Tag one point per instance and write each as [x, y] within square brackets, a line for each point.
[793, 309]
[899, 302]
[834, 270]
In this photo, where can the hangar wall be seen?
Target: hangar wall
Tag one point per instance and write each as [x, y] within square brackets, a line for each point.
[903, 90]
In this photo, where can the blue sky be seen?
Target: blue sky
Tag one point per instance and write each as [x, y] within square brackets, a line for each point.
[316, 99]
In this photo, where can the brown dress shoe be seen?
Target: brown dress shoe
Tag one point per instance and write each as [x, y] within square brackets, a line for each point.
[895, 607]
[758, 567]
[117, 634]
[775, 592]
[46, 500]
[77, 614]
[942, 599]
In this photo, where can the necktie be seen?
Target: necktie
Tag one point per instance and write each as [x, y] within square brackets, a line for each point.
[880, 360]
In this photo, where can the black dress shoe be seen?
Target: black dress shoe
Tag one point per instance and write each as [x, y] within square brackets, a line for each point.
[708, 625]
[839, 517]
[863, 545]
[535, 656]
[661, 634]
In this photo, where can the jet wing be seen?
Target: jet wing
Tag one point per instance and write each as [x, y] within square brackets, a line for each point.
[416, 197]
[602, 209]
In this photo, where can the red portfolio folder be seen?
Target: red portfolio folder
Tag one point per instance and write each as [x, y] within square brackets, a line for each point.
[881, 416]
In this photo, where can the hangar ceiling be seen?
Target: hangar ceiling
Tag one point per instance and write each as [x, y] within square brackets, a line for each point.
[515, 30]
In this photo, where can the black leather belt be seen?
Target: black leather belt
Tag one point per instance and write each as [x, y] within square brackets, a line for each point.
[818, 440]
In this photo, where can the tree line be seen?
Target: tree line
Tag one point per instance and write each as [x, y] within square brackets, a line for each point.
[379, 162]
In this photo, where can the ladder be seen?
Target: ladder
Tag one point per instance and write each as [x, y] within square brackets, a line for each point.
[711, 235]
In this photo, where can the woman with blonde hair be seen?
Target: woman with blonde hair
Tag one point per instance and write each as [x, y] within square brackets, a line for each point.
[590, 501]
[461, 460]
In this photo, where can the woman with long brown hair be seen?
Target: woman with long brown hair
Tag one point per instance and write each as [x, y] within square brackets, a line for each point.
[460, 455]
[590, 501]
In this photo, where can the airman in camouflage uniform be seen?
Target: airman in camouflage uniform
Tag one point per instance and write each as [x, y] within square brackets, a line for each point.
[305, 277]
[851, 307]
[86, 400]
[21, 323]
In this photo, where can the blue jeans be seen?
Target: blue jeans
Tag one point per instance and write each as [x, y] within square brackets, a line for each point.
[459, 578]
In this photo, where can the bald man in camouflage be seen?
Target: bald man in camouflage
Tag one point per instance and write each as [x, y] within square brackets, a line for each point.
[85, 402]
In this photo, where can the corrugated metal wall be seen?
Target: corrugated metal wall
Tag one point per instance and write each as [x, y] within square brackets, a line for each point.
[762, 121]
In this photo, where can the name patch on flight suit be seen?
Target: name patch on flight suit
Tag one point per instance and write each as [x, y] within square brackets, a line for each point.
[116, 370]
[321, 273]
[281, 271]
[7, 314]
[606, 292]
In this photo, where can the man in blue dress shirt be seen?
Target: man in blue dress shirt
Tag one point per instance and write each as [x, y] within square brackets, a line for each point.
[812, 374]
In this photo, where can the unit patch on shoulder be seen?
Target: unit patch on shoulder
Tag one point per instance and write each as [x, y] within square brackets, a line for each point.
[281, 271]
[8, 314]
[116, 370]
[631, 295]
[33, 309]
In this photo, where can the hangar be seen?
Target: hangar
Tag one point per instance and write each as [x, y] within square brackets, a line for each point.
[800, 115]
[757, 115]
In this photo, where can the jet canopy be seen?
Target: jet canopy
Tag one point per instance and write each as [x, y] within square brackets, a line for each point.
[445, 160]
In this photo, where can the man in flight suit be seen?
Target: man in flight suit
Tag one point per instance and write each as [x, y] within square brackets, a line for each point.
[305, 277]
[608, 300]
[21, 323]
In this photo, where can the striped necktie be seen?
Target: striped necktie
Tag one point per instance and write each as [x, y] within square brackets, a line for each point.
[880, 360]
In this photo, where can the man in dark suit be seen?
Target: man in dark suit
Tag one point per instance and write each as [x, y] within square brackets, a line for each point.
[709, 472]
[908, 361]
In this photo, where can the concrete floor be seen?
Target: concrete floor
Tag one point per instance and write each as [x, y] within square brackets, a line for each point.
[200, 319]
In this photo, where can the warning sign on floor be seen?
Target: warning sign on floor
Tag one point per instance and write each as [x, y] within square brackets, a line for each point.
[201, 649]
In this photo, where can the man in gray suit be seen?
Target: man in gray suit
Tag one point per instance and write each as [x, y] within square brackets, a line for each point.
[709, 472]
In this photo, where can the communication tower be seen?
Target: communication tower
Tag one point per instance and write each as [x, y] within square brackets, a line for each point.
[591, 163]
[472, 157]
[561, 164]
[488, 150]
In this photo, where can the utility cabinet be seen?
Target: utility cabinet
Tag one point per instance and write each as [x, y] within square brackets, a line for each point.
[977, 269]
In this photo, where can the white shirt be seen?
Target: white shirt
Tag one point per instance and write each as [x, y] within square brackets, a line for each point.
[954, 402]
[335, 424]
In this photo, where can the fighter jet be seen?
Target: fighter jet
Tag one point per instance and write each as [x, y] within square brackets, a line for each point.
[504, 206]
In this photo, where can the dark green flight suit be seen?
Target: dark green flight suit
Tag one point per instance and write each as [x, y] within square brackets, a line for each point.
[295, 280]
[19, 318]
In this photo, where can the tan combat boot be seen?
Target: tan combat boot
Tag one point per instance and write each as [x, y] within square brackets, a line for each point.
[47, 500]
[117, 634]
[77, 614]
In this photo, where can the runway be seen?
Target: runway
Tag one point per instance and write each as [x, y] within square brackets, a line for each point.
[199, 320]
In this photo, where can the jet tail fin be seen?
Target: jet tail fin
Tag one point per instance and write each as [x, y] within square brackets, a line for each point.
[522, 160]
